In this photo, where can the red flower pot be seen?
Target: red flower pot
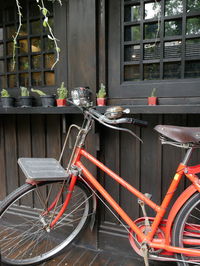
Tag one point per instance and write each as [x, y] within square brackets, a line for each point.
[61, 102]
[101, 101]
[152, 100]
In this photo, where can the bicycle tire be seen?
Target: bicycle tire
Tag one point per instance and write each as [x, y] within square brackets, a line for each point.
[24, 240]
[186, 225]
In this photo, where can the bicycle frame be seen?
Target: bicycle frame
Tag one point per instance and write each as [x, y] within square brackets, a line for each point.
[79, 152]
[160, 210]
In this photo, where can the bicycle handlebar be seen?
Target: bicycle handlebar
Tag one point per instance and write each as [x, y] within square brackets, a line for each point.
[125, 120]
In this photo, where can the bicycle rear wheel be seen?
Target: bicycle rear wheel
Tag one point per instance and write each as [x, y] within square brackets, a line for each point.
[186, 230]
[25, 238]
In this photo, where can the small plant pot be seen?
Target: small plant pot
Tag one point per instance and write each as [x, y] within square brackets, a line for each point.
[7, 102]
[152, 100]
[101, 101]
[48, 100]
[26, 101]
[61, 102]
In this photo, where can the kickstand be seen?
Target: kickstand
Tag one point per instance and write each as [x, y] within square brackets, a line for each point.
[145, 253]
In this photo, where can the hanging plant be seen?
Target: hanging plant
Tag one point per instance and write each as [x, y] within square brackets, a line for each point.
[46, 24]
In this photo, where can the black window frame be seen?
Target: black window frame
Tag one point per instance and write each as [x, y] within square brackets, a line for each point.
[59, 15]
[118, 88]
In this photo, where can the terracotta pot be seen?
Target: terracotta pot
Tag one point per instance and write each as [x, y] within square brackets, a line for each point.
[152, 100]
[61, 102]
[101, 101]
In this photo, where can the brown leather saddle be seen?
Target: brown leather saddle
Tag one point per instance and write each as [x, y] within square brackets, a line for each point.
[180, 134]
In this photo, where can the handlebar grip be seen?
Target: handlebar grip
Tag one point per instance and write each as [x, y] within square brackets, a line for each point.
[139, 122]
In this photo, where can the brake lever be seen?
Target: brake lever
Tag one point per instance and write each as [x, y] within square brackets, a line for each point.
[117, 128]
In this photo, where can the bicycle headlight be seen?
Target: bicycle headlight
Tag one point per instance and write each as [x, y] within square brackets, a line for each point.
[81, 96]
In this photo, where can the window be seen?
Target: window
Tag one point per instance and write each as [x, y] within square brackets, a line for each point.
[161, 40]
[34, 53]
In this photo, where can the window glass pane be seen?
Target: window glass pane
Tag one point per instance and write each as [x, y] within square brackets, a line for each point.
[2, 66]
[35, 27]
[10, 14]
[173, 27]
[193, 5]
[192, 69]
[151, 71]
[36, 79]
[151, 51]
[172, 49]
[1, 34]
[49, 6]
[132, 13]
[1, 50]
[10, 31]
[151, 31]
[3, 82]
[173, 7]
[34, 9]
[192, 47]
[23, 30]
[10, 66]
[12, 81]
[152, 10]
[24, 79]
[48, 44]
[36, 62]
[131, 72]
[49, 78]
[23, 46]
[49, 60]
[35, 45]
[9, 48]
[172, 70]
[132, 33]
[193, 25]
[23, 63]
[1, 16]
[132, 53]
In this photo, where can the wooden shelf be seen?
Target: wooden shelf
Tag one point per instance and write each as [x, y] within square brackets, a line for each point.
[134, 109]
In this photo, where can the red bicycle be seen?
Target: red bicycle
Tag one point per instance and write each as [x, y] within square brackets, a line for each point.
[53, 207]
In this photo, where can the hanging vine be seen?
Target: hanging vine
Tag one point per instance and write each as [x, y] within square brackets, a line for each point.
[17, 33]
[51, 36]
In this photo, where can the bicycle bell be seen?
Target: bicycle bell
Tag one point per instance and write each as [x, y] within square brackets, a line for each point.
[116, 112]
[81, 96]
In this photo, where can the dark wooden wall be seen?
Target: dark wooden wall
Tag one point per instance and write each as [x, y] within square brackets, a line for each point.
[148, 166]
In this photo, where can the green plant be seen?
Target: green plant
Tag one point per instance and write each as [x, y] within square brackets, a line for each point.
[62, 91]
[4, 93]
[102, 91]
[153, 93]
[24, 92]
[41, 93]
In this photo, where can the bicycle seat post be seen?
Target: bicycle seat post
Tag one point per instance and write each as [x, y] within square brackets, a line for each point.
[187, 156]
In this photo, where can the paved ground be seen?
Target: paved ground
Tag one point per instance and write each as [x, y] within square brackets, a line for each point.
[78, 256]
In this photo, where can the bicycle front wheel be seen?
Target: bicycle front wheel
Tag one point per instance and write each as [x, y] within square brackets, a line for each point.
[186, 230]
[25, 215]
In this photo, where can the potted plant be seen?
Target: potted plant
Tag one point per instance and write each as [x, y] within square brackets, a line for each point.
[62, 95]
[152, 100]
[101, 96]
[6, 99]
[25, 98]
[46, 100]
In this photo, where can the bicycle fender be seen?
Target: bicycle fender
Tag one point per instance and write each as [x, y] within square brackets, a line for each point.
[185, 195]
